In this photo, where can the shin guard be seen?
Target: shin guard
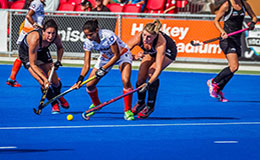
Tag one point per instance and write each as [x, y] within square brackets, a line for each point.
[141, 96]
[152, 93]
[128, 99]
[94, 96]
[16, 67]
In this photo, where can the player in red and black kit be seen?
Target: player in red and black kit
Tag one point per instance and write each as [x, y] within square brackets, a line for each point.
[159, 51]
[233, 12]
[36, 58]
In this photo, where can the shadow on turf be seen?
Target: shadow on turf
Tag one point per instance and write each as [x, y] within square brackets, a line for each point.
[98, 112]
[32, 150]
[245, 101]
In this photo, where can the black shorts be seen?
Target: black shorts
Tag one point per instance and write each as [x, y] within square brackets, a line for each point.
[171, 49]
[43, 56]
[231, 45]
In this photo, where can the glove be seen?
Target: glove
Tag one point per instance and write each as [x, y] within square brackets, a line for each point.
[57, 65]
[100, 72]
[251, 25]
[145, 87]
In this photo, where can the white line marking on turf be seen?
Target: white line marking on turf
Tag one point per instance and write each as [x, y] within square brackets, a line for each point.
[133, 125]
[8, 147]
[225, 142]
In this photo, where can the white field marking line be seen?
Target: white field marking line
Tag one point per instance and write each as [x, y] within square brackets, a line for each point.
[225, 142]
[8, 147]
[132, 125]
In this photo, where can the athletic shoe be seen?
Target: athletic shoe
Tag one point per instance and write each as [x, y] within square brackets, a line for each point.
[221, 98]
[55, 109]
[213, 88]
[91, 113]
[129, 116]
[63, 103]
[137, 108]
[12, 83]
[145, 112]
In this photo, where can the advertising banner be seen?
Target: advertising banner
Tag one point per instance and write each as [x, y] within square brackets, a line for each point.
[3, 31]
[183, 32]
[251, 44]
[69, 29]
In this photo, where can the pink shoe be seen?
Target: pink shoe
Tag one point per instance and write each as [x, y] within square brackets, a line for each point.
[55, 109]
[64, 103]
[221, 98]
[213, 88]
[137, 108]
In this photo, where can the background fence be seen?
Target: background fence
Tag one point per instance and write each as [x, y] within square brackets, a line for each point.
[194, 26]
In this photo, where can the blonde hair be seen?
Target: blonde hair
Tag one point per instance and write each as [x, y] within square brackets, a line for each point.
[153, 28]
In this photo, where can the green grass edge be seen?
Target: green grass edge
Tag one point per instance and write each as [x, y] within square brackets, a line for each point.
[167, 69]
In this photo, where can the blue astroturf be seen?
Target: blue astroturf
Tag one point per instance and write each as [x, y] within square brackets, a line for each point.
[187, 123]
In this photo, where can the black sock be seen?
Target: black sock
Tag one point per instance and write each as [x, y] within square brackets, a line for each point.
[50, 94]
[224, 81]
[57, 89]
[223, 77]
[152, 93]
[141, 96]
[224, 73]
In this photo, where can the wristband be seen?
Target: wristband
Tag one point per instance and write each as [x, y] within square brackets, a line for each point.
[81, 78]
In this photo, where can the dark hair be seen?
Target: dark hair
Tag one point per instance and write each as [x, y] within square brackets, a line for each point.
[27, 4]
[91, 25]
[50, 23]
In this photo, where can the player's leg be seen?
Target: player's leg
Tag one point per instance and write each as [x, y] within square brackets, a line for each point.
[217, 84]
[92, 91]
[125, 69]
[12, 79]
[55, 88]
[142, 77]
[153, 89]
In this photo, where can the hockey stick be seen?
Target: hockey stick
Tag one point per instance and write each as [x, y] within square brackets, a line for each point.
[65, 92]
[98, 107]
[44, 93]
[215, 39]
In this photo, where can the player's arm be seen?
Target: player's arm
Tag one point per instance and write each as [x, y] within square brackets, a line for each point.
[84, 70]
[250, 12]
[60, 49]
[160, 48]
[135, 40]
[33, 43]
[29, 15]
[223, 9]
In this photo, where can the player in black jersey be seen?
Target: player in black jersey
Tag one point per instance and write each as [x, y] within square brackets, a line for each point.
[35, 56]
[233, 12]
[159, 51]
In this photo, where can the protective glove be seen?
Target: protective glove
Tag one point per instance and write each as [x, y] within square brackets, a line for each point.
[57, 65]
[145, 87]
[251, 25]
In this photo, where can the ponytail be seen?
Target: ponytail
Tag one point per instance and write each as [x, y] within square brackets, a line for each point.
[153, 28]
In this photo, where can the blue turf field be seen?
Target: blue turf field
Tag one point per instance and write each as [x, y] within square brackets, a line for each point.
[186, 125]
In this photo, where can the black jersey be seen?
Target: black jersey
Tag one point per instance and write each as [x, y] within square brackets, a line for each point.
[233, 19]
[43, 53]
[171, 48]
